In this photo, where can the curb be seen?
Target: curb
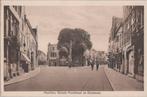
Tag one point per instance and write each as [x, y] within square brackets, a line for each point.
[112, 85]
[24, 77]
[129, 84]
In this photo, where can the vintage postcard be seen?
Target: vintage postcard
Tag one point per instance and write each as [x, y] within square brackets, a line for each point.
[73, 48]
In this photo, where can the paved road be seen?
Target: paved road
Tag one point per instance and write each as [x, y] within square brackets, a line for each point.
[65, 79]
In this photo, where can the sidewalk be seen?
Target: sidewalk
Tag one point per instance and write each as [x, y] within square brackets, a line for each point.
[23, 76]
[121, 82]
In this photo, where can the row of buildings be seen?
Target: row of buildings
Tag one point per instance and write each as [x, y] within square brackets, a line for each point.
[54, 59]
[20, 42]
[126, 42]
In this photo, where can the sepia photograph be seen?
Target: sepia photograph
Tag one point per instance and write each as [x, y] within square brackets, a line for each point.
[73, 48]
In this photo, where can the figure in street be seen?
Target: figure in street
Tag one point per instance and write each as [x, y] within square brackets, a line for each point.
[97, 64]
[92, 64]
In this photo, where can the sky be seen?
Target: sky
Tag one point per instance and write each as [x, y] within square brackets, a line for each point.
[50, 20]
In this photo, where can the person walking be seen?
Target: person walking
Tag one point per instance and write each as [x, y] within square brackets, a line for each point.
[92, 64]
[97, 64]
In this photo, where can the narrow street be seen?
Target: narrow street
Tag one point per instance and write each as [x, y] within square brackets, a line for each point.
[65, 79]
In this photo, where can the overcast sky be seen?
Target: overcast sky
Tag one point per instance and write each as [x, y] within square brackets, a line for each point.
[96, 20]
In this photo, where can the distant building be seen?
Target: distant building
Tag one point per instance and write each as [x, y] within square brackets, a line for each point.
[92, 53]
[42, 58]
[101, 57]
[35, 35]
[29, 44]
[115, 43]
[53, 55]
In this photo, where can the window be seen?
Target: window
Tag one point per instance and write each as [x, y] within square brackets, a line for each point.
[9, 27]
[22, 24]
[132, 19]
[139, 17]
[53, 48]
[14, 27]
[55, 55]
[17, 27]
[20, 10]
[51, 54]
[142, 17]
[6, 50]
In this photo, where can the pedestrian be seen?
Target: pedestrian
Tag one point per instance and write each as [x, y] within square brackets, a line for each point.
[26, 66]
[91, 63]
[88, 61]
[68, 64]
[97, 64]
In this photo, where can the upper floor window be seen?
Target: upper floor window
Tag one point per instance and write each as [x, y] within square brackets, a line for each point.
[142, 16]
[53, 54]
[133, 19]
[53, 48]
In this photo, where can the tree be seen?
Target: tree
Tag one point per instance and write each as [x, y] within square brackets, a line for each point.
[63, 41]
[80, 42]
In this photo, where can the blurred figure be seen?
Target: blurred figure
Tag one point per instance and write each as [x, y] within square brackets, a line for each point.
[92, 63]
[97, 64]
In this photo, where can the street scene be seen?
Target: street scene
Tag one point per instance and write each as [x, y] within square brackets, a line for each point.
[73, 48]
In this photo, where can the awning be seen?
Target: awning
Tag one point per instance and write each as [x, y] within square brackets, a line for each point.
[25, 57]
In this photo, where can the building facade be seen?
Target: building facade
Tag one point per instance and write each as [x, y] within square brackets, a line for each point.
[53, 55]
[129, 43]
[133, 40]
[18, 41]
[12, 28]
[101, 57]
[29, 45]
[115, 44]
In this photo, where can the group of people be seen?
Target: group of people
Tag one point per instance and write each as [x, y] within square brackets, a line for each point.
[93, 62]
